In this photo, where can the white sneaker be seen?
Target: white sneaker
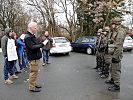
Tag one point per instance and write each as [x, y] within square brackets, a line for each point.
[8, 81]
[14, 77]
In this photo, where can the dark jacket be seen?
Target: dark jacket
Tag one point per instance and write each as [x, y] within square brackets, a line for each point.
[4, 41]
[48, 45]
[32, 47]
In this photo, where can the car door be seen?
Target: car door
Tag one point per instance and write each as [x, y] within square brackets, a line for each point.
[93, 43]
[85, 43]
[77, 44]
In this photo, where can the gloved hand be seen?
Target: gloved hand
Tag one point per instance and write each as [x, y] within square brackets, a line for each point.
[111, 41]
[102, 48]
[115, 60]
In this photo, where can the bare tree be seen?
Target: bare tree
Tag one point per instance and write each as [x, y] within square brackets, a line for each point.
[46, 9]
[12, 15]
[69, 8]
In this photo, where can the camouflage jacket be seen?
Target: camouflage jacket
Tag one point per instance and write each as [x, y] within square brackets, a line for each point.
[118, 37]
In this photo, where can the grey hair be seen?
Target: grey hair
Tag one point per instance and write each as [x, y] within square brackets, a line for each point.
[31, 24]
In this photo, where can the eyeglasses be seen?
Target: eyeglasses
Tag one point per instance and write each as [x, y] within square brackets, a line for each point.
[11, 31]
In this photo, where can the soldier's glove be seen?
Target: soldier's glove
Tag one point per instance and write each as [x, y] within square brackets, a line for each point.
[111, 41]
[115, 60]
[102, 48]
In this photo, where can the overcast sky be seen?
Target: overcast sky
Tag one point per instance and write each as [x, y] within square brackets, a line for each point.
[60, 17]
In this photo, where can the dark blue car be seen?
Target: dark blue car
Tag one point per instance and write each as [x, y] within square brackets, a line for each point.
[85, 44]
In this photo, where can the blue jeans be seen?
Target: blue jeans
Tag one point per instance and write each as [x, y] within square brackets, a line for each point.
[45, 56]
[8, 68]
[21, 61]
[15, 68]
[25, 59]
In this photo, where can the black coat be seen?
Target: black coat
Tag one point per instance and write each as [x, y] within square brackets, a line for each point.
[33, 47]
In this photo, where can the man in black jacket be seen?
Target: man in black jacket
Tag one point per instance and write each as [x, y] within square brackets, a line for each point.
[33, 55]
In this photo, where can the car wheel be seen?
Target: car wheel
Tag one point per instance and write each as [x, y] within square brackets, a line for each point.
[89, 51]
[67, 53]
[129, 50]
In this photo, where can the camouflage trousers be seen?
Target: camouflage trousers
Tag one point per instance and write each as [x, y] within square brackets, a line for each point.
[114, 69]
[116, 72]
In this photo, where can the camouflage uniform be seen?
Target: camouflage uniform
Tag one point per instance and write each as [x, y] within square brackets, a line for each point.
[101, 49]
[106, 56]
[98, 58]
[117, 55]
[115, 49]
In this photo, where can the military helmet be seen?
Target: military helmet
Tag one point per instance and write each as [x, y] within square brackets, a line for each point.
[116, 20]
[100, 30]
[107, 29]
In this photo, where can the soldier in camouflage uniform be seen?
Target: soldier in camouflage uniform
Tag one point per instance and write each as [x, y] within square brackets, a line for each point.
[115, 49]
[101, 50]
[105, 67]
[98, 60]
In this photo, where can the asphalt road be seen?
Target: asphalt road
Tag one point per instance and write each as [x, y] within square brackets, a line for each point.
[69, 78]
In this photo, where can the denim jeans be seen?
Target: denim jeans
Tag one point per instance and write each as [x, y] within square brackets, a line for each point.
[45, 56]
[15, 68]
[8, 68]
[21, 61]
[25, 59]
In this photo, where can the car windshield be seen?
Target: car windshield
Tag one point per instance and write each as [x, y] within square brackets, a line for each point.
[131, 37]
[128, 38]
[85, 39]
[61, 40]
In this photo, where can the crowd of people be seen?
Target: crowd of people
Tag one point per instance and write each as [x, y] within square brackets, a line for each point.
[110, 52]
[26, 50]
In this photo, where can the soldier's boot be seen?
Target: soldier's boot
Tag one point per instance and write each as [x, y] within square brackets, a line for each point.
[111, 81]
[114, 88]
[104, 76]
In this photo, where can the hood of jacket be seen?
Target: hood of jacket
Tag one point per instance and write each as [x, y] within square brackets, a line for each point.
[7, 30]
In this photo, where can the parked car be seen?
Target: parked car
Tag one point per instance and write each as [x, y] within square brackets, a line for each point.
[60, 45]
[128, 44]
[131, 35]
[85, 44]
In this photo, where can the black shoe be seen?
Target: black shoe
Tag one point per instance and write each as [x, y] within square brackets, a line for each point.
[114, 88]
[38, 86]
[109, 81]
[104, 76]
[100, 73]
[17, 72]
[36, 90]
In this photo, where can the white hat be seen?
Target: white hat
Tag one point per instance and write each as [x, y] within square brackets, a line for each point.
[22, 36]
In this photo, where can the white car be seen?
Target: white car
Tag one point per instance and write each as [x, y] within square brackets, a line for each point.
[128, 44]
[60, 45]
